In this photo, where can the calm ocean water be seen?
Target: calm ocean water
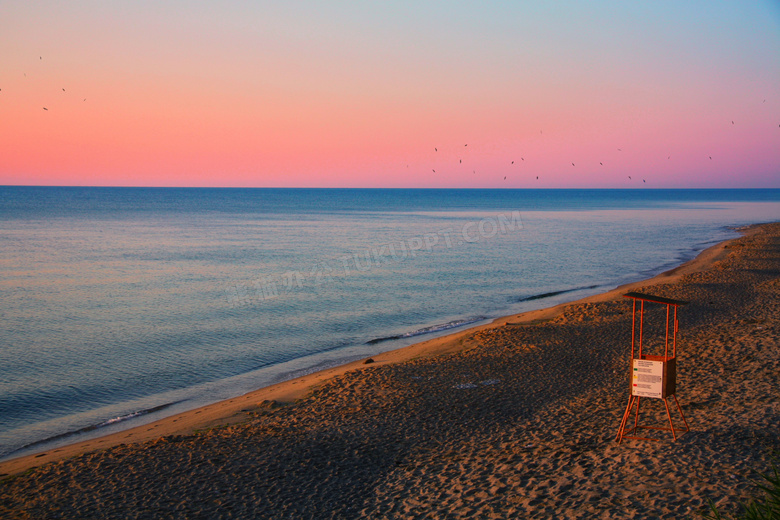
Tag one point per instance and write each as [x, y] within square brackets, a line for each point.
[121, 305]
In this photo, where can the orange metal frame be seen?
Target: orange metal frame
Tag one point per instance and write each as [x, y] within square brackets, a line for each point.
[635, 400]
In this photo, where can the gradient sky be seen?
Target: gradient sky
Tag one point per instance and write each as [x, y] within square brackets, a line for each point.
[381, 94]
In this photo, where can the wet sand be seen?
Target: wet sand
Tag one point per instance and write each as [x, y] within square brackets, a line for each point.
[513, 419]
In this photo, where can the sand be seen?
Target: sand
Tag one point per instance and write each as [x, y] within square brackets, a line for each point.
[513, 419]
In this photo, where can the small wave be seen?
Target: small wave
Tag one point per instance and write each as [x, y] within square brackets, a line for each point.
[554, 293]
[428, 330]
[120, 419]
[94, 427]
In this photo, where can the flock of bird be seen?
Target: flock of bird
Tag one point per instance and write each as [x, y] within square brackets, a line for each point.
[460, 160]
[25, 75]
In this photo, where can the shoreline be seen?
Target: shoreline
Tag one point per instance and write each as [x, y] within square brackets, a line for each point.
[238, 409]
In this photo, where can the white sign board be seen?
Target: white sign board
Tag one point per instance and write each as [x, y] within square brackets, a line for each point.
[647, 378]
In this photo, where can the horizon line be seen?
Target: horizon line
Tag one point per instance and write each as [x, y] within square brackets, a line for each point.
[360, 188]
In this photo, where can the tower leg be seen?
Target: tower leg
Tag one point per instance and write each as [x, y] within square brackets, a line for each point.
[687, 428]
[622, 429]
[669, 415]
[631, 433]
[636, 415]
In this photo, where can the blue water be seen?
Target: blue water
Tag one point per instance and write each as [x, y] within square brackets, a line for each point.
[121, 305]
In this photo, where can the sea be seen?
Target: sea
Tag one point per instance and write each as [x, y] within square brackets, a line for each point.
[119, 306]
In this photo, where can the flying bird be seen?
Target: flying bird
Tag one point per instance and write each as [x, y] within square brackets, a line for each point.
[45, 108]
[601, 163]
[629, 176]
[460, 161]
[435, 149]
[572, 164]
[513, 162]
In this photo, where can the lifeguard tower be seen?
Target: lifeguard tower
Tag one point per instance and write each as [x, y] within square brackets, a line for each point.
[653, 376]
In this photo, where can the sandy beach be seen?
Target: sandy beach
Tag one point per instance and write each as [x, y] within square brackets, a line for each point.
[515, 419]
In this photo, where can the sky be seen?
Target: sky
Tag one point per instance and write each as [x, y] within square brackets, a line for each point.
[407, 94]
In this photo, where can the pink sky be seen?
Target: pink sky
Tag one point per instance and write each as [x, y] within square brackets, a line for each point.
[317, 94]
